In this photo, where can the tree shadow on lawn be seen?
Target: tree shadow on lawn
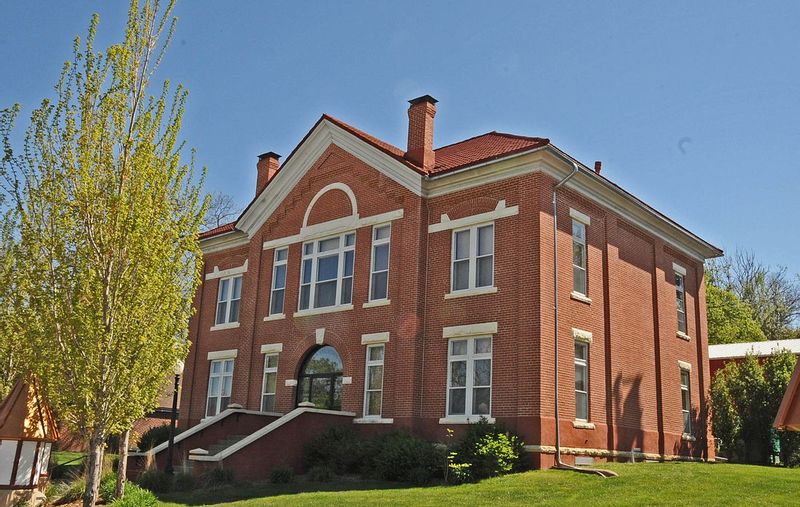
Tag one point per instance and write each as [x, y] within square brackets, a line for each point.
[245, 491]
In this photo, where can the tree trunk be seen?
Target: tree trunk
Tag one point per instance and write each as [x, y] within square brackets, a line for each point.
[122, 466]
[94, 467]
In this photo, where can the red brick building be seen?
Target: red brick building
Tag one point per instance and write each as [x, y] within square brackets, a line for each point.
[415, 288]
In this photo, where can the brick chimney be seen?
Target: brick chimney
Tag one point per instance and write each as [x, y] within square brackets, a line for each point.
[267, 166]
[420, 131]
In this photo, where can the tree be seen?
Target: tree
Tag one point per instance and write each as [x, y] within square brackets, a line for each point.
[729, 319]
[106, 217]
[221, 209]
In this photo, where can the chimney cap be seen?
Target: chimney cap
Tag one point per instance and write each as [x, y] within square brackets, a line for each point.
[424, 98]
[269, 154]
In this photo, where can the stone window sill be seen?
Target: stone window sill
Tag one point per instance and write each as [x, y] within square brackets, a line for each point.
[583, 298]
[684, 336]
[327, 309]
[373, 420]
[275, 316]
[464, 419]
[687, 437]
[227, 325]
[471, 292]
[583, 425]
[379, 302]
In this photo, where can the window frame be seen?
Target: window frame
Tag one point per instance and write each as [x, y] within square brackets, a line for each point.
[314, 258]
[277, 263]
[472, 257]
[373, 364]
[582, 363]
[221, 376]
[680, 300]
[231, 284]
[267, 371]
[372, 272]
[686, 401]
[583, 243]
[469, 387]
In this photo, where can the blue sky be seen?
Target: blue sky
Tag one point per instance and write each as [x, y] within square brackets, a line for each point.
[694, 107]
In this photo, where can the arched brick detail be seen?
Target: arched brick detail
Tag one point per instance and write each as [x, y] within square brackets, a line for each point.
[334, 201]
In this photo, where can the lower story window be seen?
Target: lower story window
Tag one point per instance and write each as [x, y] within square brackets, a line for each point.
[270, 383]
[581, 381]
[686, 402]
[220, 382]
[373, 389]
[469, 377]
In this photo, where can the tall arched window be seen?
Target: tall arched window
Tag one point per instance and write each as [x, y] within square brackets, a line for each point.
[320, 379]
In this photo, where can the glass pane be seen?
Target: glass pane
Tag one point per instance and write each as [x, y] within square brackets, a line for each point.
[328, 268]
[216, 366]
[270, 382]
[280, 277]
[580, 351]
[223, 402]
[305, 292]
[382, 232]
[328, 244]
[461, 275]
[234, 315]
[308, 249]
[376, 353]
[380, 282]
[350, 239]
[277, 302]
[374, 400]
[380, 261]
[481, 401]
[272, 361]
[684, 378]
[682, 322]
[483, 372]
[687, 422]
[229, 366]
[485, 271]
[305, 384]
[579, 231]
[348, 263]
[486, 240]
[347, 290]
[578, 257]
[582, 406]
[213, 386]
[211, 407]
[458, 348]
[227, 383]
[325, 294]
[222, 307]
[679, 282]
[268, 403]
[336, 403]
[375, 378]
[237, 287]
[282, 254]
[580, 377]
[687, 403]
[462, 244]
[223, 289]
[483, 345]
[578, 280]
[307, 271]
[324, 360]
[457, 402]
[320, 392]
[458, 374]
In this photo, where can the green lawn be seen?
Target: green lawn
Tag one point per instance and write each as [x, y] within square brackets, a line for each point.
[637, 484]
[59, 457]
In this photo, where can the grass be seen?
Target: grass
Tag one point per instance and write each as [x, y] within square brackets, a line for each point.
[59, 457]
[637, 484]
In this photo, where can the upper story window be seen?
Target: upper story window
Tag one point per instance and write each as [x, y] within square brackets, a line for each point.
[473, 257]
[326, 274]
[228, 299]
[220, 383]
[278, 281]
[579, 257]
[680, 301]
[379, 279]
[469, 377]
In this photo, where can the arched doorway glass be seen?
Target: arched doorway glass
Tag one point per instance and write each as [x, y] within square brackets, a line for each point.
[320, 379]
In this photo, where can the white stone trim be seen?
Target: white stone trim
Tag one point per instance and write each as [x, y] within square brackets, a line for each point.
[376, 303]
[274, 316]
[327, 188]
[583, 425]
[679, 269]
[605, 453]
[580, 217]
[683, 365]
[198, 452]
[581, 336]
[473, 419]
[372, 338]
[577, 296]
[227, 325]
[500, 211]
[683, 336]
[319, 335]
[290, 382]
[271, 348]
[688, 437]
[216, 273]
[477, 291]
[347, 381]
[485, 328]
[223, 354]
[373, 420]
[224, 241]
[319, 311]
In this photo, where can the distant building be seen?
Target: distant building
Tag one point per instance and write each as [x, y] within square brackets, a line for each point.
[720, 355]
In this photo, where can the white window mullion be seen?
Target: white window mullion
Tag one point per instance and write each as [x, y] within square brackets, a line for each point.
[473, 261]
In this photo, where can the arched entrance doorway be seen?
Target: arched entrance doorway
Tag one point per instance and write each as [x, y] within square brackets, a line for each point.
[320, 379]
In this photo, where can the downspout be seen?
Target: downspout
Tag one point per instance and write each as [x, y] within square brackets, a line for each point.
[560, 464]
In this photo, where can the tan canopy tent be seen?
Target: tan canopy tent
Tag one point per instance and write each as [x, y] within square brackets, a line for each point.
[788, 417]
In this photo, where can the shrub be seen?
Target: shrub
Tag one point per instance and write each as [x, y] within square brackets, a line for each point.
[338, 448]
[155, 436]
[136, 497]
[184, 482]
[217, 477]
[108, 487]
[488, 450]
[399, 456]
[281, 475]
[155, 480]
[74, 491]
[320, 473]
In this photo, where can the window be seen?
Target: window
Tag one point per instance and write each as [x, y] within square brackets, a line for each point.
[379, 280]
[473, 258]
[686, 402]
[581, 381]
[680, 300]
[579, 257]
[469, 377]
[220, 382]
[373, 390]
[278, 281]
[270, 382]
[326, 275]
[228, 298]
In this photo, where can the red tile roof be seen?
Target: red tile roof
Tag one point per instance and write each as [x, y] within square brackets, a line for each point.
[218, 230]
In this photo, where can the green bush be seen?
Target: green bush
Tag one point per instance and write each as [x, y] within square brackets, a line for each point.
[155, 480]
[485, 450]
[217, 477]
[155, 436]
[136, 496]
[400, 456]
[320, 473]
[338, 448]
[281, 475]
[73, 492]
[108, 487]
[184, 482]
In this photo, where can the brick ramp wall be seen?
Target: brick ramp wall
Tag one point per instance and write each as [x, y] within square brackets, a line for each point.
[283, 447]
